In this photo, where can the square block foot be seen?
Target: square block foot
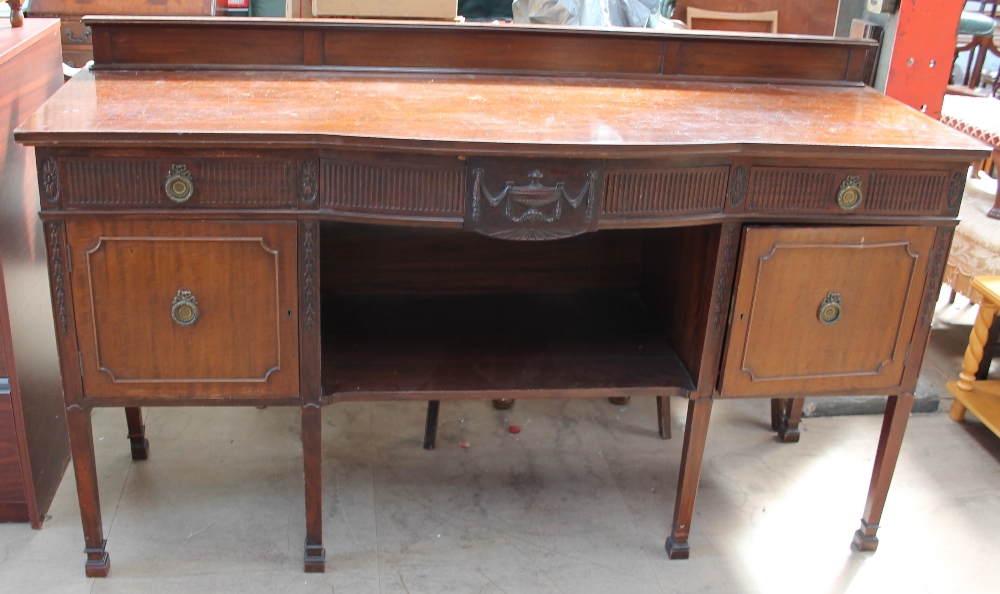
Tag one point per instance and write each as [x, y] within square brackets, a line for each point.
[677, 550]
[98, 568]
[315, 559]
[864, 543]
[140, 450]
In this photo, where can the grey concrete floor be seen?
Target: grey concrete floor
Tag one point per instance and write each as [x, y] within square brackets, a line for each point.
[579, 501]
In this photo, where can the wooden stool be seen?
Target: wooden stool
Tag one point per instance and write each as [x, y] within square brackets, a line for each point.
[980, 397]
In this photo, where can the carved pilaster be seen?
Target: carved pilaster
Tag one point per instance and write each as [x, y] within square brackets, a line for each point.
[725, 267]
[956, 189]
[935, 270]
[310, 296]
[57, 269]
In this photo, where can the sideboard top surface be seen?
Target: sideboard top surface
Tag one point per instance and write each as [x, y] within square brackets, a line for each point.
[476, 114]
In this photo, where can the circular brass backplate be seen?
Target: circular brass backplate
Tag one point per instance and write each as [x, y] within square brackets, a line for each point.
[849, 197]
[180, 185]
[185, 309]
[829, 311]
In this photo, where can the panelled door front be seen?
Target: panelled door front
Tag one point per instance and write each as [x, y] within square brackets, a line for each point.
[822, 310]
[192, 309]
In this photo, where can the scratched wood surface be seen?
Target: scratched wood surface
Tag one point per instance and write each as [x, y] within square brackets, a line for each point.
[511, 115]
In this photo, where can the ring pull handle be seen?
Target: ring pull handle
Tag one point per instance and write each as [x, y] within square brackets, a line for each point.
[829, 309]
[180, 184]
[849, 196]
[185, 310]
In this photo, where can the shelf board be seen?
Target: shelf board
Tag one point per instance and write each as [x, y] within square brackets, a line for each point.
[420, 348]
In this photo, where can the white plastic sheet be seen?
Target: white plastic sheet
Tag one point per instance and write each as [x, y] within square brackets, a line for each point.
[588, 13]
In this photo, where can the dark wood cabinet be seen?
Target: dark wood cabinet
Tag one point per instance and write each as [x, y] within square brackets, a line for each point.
[34, 449]
[421, 212]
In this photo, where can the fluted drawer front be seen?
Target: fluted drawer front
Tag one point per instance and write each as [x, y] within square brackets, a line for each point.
[424, 189]
[652, 192]
[805, 189]
[122, 183]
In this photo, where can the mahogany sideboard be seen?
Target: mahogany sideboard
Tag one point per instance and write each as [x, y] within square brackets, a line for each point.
[34, 449]
[407, 211]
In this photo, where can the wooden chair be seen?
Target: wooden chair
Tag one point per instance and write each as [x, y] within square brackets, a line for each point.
[733, 21]
[972, 392]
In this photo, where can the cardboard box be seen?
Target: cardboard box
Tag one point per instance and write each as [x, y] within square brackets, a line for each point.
[404, 9]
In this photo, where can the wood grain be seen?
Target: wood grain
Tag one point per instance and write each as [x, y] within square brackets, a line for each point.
[460, 115]
[128, 274]
[778, 345]
[434, 348]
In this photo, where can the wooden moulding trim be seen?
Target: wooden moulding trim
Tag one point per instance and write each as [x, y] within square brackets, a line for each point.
[118, 401]
[135, 42]
[236, 141]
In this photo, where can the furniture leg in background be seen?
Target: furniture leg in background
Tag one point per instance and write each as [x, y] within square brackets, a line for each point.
[434, 408]
[431, 426]
[137, 433]
[663, 416]
[785, 416]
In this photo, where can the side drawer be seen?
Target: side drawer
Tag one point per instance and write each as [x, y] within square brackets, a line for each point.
[109, 182]
[191, 309]
[859, 191]
[822, 310]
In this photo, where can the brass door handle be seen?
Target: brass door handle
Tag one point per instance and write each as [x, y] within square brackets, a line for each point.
[185, 310]
[849, 196]
[829, 309]
[180, 184]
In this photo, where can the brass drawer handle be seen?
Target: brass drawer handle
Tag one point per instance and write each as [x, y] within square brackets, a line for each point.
[829, 310]
[185, 309]
[71, 38]
[849, 197]
[180, 184]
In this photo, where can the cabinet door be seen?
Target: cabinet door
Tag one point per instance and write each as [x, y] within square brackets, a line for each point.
[824, 310]
[186, 309]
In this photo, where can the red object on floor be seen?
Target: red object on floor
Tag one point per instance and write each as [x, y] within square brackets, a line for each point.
[514, 429]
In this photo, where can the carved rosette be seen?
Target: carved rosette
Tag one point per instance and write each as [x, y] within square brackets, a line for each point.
[738, 185]
[309, 274]
[50, 180]
[534, 211]
[57, 270]
[309, 181]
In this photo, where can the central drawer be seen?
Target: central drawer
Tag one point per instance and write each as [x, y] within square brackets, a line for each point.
[188, 309]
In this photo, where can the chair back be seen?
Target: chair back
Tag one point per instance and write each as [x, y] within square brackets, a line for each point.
[759, 22]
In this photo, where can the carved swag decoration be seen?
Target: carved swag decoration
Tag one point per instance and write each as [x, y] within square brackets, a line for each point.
[534, 211]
